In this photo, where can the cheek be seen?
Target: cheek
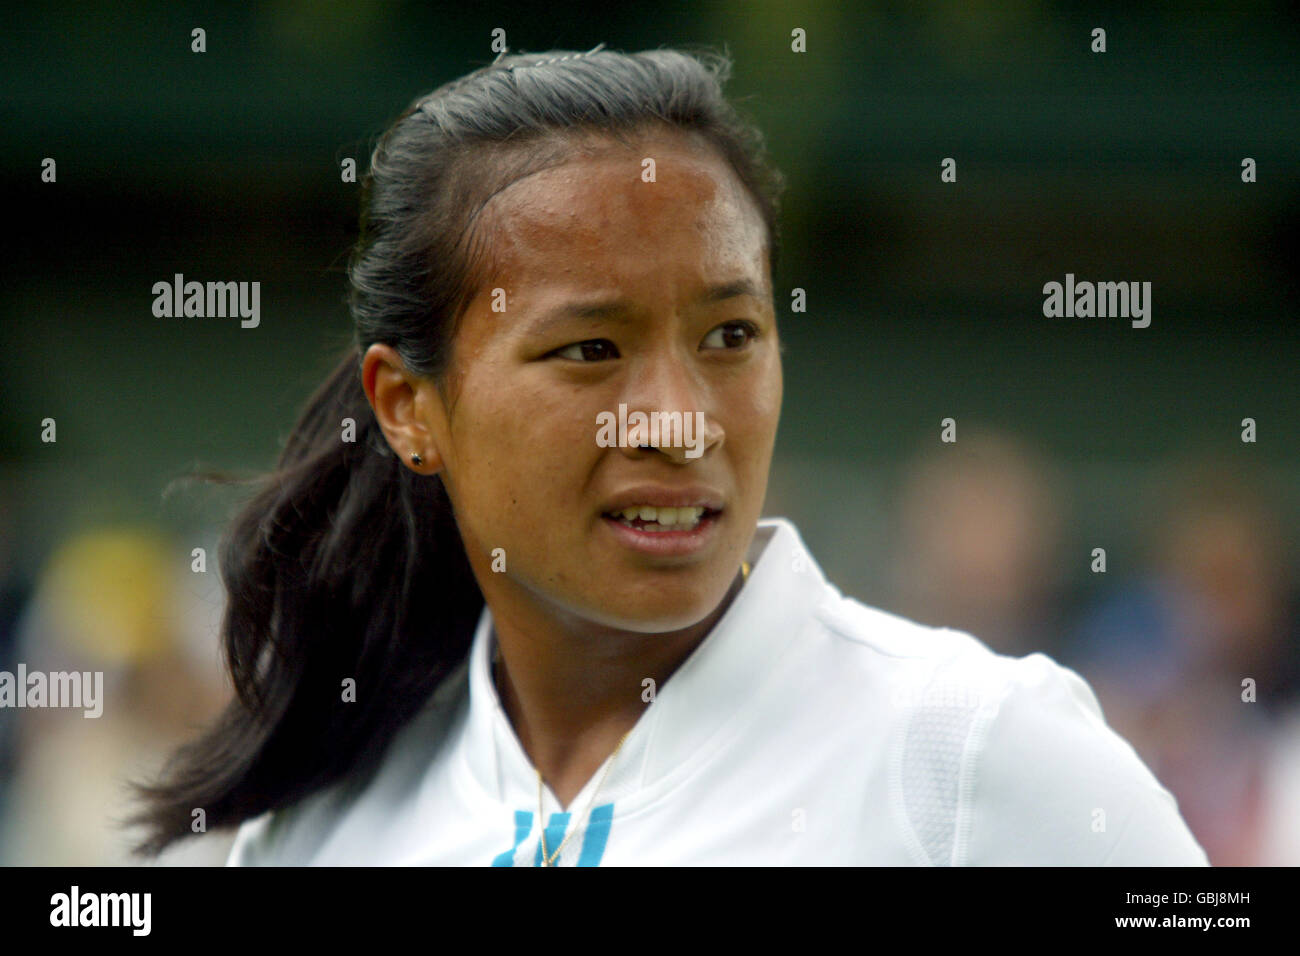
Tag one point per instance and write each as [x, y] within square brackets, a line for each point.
[754, 413]
[772, 393]
[758, 400]
[523, 446]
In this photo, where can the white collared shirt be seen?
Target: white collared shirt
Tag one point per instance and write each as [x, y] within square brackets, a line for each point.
[805, 729]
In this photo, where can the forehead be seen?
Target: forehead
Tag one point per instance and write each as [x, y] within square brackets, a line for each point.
[595, 210]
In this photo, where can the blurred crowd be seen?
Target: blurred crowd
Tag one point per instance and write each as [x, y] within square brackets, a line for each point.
[1190, 637]
[1188, 633]
[123, 601]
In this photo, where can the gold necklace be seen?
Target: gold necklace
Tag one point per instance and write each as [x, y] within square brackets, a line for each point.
[548, 859]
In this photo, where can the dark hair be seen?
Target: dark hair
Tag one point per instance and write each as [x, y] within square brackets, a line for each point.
[346, 564]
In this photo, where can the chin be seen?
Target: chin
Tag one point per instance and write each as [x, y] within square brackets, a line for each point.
[668, 609]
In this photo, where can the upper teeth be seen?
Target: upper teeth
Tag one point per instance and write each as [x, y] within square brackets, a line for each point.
[686, 516]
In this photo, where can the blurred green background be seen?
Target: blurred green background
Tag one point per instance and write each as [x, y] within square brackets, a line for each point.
[924, 298]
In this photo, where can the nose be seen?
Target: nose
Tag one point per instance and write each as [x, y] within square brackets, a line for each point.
[667, 409]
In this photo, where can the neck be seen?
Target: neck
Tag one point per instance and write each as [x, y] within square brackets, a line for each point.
[572, 693]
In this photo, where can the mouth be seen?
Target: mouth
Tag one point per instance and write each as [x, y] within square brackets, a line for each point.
[653, 520]
[665, 532]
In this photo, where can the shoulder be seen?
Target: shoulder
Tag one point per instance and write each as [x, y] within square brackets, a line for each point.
[292, 835]
[1052, 782]
[256, 839]
[1004, 760]
[913, 658]
[322, 826]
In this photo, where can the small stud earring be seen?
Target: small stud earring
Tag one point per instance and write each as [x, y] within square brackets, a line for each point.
[416, 459]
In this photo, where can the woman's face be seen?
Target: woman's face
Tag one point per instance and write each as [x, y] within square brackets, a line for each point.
[616, 294]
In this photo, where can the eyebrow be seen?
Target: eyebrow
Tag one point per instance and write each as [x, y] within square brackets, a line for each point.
[618, 308]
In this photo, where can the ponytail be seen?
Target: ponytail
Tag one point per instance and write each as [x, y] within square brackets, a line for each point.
[345, 565]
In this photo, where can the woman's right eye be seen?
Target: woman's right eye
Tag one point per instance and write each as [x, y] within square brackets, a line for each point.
[592, 350]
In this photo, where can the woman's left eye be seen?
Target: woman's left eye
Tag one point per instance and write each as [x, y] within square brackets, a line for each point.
[592, 350]
[731, 335]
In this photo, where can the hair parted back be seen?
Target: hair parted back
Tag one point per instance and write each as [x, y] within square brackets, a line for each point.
[344, 563]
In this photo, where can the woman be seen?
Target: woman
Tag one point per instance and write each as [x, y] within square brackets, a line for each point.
[530, 616]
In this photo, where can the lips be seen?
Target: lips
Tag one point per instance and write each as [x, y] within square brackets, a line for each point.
[665, 541]
[662, 520]
[659, 496]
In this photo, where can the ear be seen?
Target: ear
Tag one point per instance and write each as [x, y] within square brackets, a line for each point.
[407, 406]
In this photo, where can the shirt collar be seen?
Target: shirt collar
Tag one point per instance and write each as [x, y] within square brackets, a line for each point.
[704, 693]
